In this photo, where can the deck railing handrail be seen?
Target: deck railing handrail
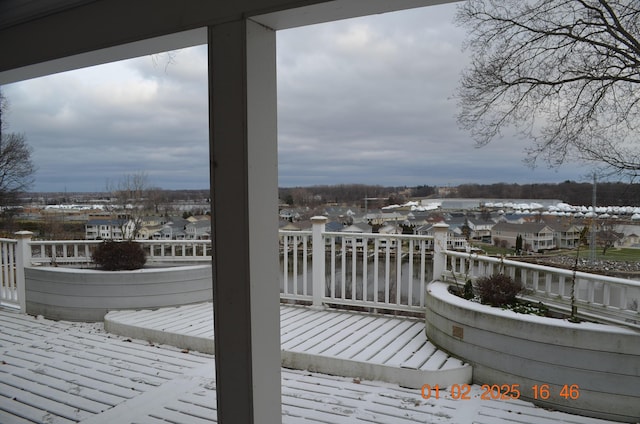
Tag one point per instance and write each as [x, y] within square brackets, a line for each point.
[598, 297]
[61, 252]
[545, 268]
[365, 270]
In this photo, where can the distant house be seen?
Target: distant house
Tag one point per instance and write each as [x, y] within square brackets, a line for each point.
[455, 240]
[535, 236]
[199, 230]
[384, 217]
[148, 232]
[108, 229]
[416, 219]
[480, 229]
[631, 237]
[630, 240]
[567, 235]
[290, 215]
[356, 228]
[389, 229]
[342, 215]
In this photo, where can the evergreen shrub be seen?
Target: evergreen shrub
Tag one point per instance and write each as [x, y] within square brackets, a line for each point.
[497, 290]
[119, 255]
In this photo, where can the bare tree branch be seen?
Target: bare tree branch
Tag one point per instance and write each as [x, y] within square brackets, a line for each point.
[131, 192]
[565, 73]
[16, 167]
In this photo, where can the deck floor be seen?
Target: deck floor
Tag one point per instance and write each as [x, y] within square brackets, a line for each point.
[60, 372]
[350, 344]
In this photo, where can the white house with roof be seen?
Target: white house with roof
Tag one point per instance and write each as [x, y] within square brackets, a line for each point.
[108, 229]
[535, 236]
[455, 240]
[149, 231]
[359, 228]
[480, 229]
[199, 230]
[567, 235]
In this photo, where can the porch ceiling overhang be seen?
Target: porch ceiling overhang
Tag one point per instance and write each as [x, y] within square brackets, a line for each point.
[43, 37]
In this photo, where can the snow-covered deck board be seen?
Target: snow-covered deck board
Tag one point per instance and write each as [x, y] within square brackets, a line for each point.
[388, 348]
[58, 372]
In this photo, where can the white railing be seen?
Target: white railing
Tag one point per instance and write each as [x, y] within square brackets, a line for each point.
[375, 271]
[604, 298]
[177, 250]
[57, 252]
[12, 254]
[8, 287]
[365, 270]
[294, 257]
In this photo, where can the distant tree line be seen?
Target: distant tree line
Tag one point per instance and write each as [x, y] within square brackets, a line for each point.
[352, 194]
[608, 193]
[575, 193]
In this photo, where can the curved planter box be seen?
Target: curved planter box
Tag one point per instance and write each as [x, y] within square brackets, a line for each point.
[508, 348]
[87, 295]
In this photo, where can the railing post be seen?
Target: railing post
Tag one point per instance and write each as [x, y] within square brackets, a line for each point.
[439, 247]
[318, 259]
[23, 259]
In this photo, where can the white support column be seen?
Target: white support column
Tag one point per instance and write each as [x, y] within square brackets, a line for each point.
[439, 246]
[23, 259]
[318, 261]
[244, 184]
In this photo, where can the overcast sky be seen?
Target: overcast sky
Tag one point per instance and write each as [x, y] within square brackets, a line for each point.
[366, 100]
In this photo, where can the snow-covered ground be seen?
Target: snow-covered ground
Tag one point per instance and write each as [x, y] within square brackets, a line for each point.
[60, 372]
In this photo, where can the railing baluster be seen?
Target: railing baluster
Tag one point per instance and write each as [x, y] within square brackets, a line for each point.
[410, 276]
[5, 270]
[11, 281]
[591, 291]
[294, 259]
[398, 271]
[376, 272]
[387, 273]
[364, 269]
[305, 241]
[285, 263]
[343, 268]
[423, 271]
[6, 265]
[354, 265]
[333, 267]
[561, 286]
[623, 298]
[606, 295]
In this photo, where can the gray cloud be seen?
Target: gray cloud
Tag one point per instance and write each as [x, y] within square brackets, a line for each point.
[364, 100]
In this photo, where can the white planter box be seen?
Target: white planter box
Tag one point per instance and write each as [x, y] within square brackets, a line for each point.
[509, 348]
[87, 295]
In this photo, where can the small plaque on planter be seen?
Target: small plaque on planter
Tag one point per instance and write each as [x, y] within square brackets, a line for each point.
[458, 332]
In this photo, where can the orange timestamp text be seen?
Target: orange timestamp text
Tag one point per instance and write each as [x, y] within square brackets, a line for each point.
[498, 392]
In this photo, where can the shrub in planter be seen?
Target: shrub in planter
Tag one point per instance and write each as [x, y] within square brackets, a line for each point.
[119, 255]
[497, 290]
[467, 291]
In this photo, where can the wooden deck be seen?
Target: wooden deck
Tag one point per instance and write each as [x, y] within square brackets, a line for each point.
[349, 344]
[60, 372]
